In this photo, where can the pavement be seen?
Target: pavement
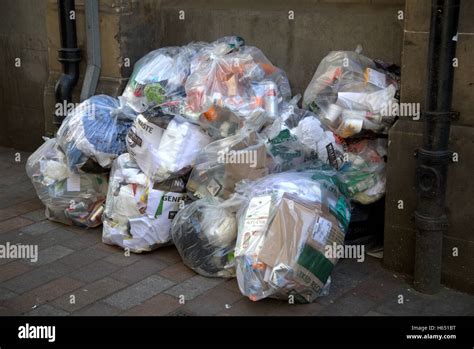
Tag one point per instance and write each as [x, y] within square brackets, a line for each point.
[76, 274]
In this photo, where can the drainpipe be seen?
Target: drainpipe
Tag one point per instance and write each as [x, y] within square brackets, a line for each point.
[433, 158]
[69, 55]
[91, 78]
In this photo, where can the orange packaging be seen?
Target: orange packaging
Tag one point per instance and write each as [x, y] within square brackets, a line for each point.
[268, 68]
[211, 114]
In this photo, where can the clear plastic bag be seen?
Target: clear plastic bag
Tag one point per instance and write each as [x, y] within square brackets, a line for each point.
[283, 228]
[94, 132]
[72, 199]
[223, 163]
[138, 214]
[238, 77]
[204, 233]
[159, 76]
[165, 147]
[304, 133]
[362, 176]
[287, 151]
[351, 93]
[220, 122]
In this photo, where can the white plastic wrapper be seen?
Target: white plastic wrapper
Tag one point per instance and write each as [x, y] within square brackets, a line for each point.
[230, 74]
[159, 76]
[165, 149]
[204, 233]
[138, 214]
[362, 176]
[351, 93]
[94, 132]
[284, 227]
[223, 163]
[72, 199]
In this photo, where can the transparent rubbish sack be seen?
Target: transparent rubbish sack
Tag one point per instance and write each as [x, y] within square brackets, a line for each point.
[204, 233]
[165, 147]
[70, 198]
[298, 135]
[284, 227]
[287, 151]
[362, 175]
[225, 162]
[160, 76]
[235, 76]
[351, 93]
[94, 133]
[138, 213]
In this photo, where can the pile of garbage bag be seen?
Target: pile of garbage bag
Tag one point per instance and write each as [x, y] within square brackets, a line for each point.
[207, 150]
[94, 133]
[72, 199]
[283, 228]
[138, 213]
[353, 96]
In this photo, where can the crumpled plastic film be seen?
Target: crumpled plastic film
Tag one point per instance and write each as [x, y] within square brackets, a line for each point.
[238, 77]
[95, 132]
[204, 233]
[138, 214]
[351, 93]
[283, 228]
[165, 148]
[72, 199]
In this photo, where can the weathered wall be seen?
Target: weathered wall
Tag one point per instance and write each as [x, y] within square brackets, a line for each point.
[297, 45]
[406, 136]
[22, 35]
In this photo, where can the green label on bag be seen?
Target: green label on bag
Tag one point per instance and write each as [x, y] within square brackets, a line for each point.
[283, 136]
[315, 262]
[159, 210]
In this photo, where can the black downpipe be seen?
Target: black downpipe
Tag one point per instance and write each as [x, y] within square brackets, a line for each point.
[69, 55]
[433, 158]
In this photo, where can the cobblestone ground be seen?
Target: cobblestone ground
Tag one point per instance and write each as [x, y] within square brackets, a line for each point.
[74, 262]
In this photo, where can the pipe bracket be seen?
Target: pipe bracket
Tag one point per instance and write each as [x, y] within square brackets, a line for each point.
[431, 223]
[69, 55]
[435, 157]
